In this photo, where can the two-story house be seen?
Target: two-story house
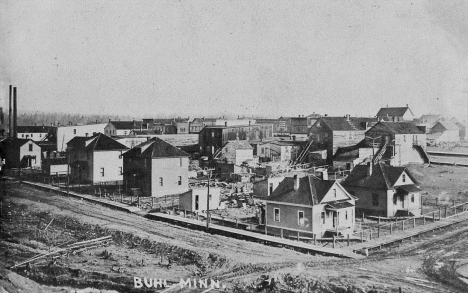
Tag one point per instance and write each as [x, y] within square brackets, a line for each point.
[384, 190]
[66, 133]
[310, 204]
[212, 138]
[96, 159]
[197, 124]
[398, 143]
[157, 167]
[36, 133]
[331, 133]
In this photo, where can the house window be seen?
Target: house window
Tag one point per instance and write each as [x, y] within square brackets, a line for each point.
[300, 218]
[30, 147]
[180, 162]
[276, 213]
[334, 193]
[102, 172]
[375, 200]
[346, 214]
[161, 182]
[323, 217]
[212, 134]
[404, 137]
[403, 178]
[395, 199]
[179, 181]
[412, 198]
[120, 171]
[74, 131]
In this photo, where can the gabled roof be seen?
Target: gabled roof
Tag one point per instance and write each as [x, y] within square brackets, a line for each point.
[448, 125]
[393, 111]
[13, 143]
[156, 148]
[402, 127]
[33, 129]
[347, 124]
[97, 142]
[311, 191]
[430, 117]
[383, 177]
[126, 125]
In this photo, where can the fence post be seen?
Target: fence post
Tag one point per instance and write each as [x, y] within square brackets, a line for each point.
[391, 227]
[433, 216]
[424, 220]
[152, 202]
[334, 241]
[266, 229]
[403, 225]
[370, 234]
[439, 213]
[378, 229]
[185, 214]
[280, 232]
[348, 239]
[414, 222]
[362, 236]
[298, 235]
[139, 205]
[445, 212]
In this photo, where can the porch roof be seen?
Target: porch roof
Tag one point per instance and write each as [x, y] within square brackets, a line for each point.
[407, 189]
[338, 205]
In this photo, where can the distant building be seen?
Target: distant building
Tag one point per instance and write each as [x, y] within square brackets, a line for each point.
[161, 126]
[331, 133]
[383, 190]
[156, 167]
[195, 200]
[264, 188]
[199, 123]
[395, 114]
[462, 128]
[124, 128]
[444, 131]
[20, 153]
[299, 128]
[230, 158]
[429, 120]
[66, 133]
[35, 133]
[213, 138]
[310, 204]
[96, 159]
[183, 125]
[278, 150]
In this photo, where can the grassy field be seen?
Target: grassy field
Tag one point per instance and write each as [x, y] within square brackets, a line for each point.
[445, 183]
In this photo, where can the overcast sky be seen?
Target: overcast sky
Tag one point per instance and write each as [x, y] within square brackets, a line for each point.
[261, 58]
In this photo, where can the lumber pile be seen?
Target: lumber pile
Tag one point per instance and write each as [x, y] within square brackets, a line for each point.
[66, 249]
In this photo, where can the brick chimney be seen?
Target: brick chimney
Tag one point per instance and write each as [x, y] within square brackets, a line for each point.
[325, 175]
[296, 182]
[369, 169]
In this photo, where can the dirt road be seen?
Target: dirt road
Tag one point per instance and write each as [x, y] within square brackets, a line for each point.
[237, 263]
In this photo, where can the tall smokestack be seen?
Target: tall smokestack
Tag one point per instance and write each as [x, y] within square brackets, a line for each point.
[15, 113]
[10, 118]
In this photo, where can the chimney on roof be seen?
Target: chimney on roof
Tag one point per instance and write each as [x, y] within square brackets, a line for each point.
[347, 117]
[406, 105]
[296, 182]
[369, 169]
[225, 123]
[325, 175]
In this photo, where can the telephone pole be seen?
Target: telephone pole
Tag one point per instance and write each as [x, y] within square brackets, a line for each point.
[208, 202]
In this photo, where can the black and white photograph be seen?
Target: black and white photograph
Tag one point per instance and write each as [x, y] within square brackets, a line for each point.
[233, 146]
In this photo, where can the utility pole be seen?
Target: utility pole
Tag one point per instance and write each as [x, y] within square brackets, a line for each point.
[208, 202]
